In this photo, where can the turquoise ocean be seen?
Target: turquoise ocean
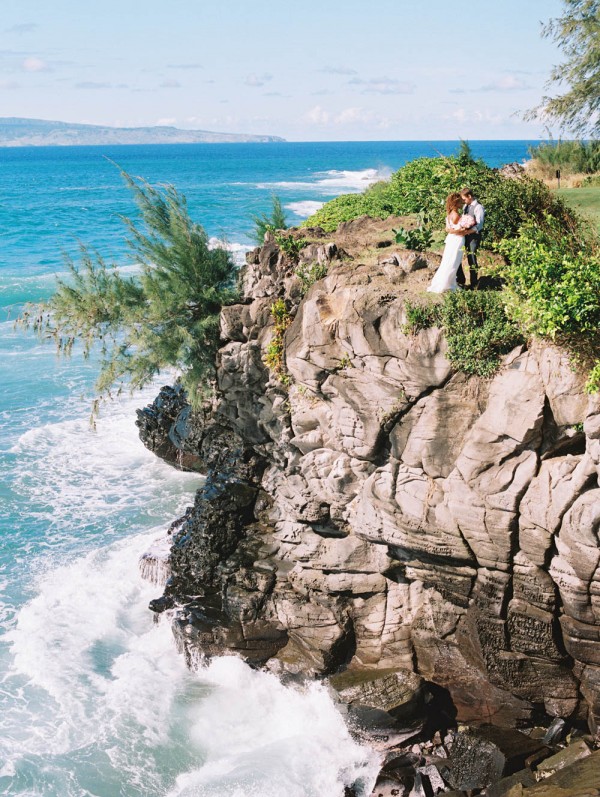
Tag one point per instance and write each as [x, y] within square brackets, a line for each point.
[94, 698]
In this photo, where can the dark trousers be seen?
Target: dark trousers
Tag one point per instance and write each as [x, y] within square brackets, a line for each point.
[471, 246]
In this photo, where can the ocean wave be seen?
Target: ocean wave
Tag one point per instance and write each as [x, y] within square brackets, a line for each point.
[113, 472]
[335, 181]
[236, 249]
[304, 209]
[95, 689]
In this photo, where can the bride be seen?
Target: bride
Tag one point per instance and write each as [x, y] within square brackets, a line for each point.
[456, 227]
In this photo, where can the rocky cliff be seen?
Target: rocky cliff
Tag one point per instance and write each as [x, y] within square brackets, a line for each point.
[382, 511]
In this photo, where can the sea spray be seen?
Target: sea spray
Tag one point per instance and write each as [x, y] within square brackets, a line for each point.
[109, 700]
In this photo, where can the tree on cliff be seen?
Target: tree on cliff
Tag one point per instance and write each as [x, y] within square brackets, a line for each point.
[167, 316]
[577, 32]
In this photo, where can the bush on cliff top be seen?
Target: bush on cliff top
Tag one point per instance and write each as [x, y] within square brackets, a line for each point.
[168, 316]
[424, 184]
[553, 289]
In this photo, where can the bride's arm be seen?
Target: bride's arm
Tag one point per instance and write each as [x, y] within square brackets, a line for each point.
[454, 218]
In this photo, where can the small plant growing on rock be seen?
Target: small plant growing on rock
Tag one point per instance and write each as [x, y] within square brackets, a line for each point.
[275, 351]
[309, 274]
[420, 315]
[476, 326]
[420, 238]
[291, 246]
[264, 223]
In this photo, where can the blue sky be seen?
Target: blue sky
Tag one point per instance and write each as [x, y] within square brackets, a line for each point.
[315, 71]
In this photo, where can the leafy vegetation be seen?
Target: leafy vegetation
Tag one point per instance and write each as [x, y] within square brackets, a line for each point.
[576, 157]
[290, 245]
[275, 351]
[553, 289]
[426, 182]
[264, 223]
[166, 316]
[419, 239]
[311, 273]
[478, 330]
[577, 33]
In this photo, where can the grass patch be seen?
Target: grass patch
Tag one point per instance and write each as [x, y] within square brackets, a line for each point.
[585, 201]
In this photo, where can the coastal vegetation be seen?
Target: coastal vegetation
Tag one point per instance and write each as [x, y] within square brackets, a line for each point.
[477, 327]
[264, 223]
[165, 316]
[422, 185]
[577, 33]
[549, 268]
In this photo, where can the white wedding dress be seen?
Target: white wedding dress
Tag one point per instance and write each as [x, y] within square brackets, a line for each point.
[444, 278]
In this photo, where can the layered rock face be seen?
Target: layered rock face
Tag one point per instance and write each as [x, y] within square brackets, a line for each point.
[383, 511]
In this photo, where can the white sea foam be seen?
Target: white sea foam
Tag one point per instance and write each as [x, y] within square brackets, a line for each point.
[74, 475]
[98, 688]
[335, 181]
[297, 735]
[304, 209]
[237, 250]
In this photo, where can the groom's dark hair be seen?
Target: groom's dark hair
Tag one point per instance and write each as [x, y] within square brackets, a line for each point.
[466, 192]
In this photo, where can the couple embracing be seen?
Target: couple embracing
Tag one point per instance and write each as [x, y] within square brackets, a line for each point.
[464, 223]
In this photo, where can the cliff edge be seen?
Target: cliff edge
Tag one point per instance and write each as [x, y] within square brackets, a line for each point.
[378, 510]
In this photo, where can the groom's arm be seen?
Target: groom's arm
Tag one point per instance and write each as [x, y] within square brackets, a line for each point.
[479, 214]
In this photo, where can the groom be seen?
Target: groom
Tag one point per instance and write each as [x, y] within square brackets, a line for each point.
[475, 209]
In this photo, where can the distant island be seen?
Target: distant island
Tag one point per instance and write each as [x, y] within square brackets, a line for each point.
[17, 132]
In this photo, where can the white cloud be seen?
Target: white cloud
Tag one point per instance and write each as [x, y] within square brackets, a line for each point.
[33, 64]
[383, 85]
[167, 122]
[24, 27]
[317, 116]
[506, 83]
[338, 70]
[352, 116]
[170, 84]
[257, 80]
[477, 117]
[9, 84]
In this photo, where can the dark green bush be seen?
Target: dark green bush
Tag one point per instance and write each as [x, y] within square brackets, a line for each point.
[478, 330]
[476, 326]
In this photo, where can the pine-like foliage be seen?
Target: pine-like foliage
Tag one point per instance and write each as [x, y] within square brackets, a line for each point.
[264, 223]
[577, 33]
[168, 316]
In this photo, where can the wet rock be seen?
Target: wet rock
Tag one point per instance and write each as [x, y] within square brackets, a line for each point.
[169, 429]
[397, 692]
[476, 762]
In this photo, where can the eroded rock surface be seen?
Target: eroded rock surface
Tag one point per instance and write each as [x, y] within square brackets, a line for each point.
[385, 512]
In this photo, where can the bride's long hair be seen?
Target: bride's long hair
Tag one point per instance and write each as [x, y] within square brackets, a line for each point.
[455, 202]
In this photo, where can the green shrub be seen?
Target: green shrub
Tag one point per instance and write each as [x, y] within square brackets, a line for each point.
[290, 245]
[421, 315]
[332, 214]
[552, 281]
[420, 238]
[477, 328]
[426, 182]
[264, 223]
[576, 157]
[309, 274]
[593, 382]
[274, 357]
